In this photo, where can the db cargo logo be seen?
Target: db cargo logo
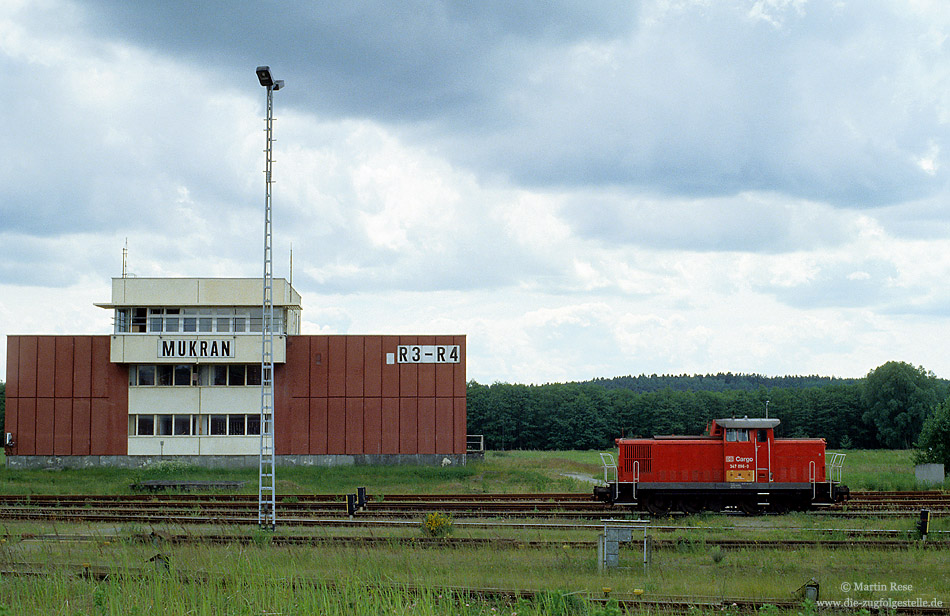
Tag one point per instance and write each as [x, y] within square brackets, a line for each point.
[730, 458]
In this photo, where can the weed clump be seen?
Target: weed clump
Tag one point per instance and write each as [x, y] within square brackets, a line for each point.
[436, 524]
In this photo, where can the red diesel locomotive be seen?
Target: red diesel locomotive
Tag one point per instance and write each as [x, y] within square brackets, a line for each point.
[738, 464]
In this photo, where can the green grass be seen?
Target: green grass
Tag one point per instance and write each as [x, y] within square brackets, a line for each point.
[499, 472]
[882, 469]
[511, 471]
[261, 578]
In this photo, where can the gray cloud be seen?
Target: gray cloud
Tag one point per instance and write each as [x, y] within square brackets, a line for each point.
[865, 284]
[529, 173]
[819, 101]
[746, 223]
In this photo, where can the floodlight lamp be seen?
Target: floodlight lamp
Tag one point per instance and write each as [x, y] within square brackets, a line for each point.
[278, 84]
[264, 76]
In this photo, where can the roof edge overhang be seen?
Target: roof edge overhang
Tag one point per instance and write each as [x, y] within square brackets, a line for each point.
[746, 422]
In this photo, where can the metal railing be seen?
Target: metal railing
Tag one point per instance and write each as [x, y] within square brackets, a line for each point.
[834, 467]
[475, 443]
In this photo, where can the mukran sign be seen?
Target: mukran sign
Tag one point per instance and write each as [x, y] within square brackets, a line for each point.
[195, 348]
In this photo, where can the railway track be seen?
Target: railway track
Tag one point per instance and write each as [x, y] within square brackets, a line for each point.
[306, 508]
[493, 542]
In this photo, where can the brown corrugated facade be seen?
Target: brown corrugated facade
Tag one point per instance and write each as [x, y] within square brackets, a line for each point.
[64, 397]
[334, 396]
[337, 395]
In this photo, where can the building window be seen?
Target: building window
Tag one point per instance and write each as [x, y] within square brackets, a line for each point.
[257, 319]
[194, 425]
[236, 425]
[146, 375]
[182, 425]
[122, 320]
[139, 316]
[163, 375]
[236, 374]
[165, 423]
[187, 375]
[222, 323]
[254, 424]
[156, 320]
[145, 426]
[182, 375]
[219, 425]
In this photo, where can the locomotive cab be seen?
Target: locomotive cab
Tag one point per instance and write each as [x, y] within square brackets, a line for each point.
[738, 463]
[747, 448]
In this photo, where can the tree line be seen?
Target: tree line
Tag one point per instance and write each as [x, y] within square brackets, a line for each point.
[896, 406]
[888, 408]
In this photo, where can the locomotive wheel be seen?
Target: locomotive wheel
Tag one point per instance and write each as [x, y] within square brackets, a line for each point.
[749, 506]
[658, 504]
[691, 505]
[779, 505]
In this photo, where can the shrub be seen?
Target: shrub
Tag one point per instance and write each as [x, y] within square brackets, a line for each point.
[436, 524]
[933, 445]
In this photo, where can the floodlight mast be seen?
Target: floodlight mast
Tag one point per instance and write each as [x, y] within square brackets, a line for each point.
[267, 483]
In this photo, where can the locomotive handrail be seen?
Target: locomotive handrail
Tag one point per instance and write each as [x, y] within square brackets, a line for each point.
[636, 477]
[607, 460]
[834, 467]
[812, 477]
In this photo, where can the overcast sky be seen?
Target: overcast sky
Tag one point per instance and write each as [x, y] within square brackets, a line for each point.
[584, 189]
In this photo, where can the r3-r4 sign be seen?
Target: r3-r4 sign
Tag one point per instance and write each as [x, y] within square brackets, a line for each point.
[428, 354]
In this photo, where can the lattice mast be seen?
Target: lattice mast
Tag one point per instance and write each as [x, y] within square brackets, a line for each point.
[267, 481]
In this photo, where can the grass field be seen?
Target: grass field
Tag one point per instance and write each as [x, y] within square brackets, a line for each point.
[513, 471]
[259, 578]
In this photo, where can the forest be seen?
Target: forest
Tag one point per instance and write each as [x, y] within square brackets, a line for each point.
[886, 409]
[895, 406]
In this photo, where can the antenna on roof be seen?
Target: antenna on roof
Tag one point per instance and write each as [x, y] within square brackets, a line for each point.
[766, 409]
[125, 257]
[291, 281]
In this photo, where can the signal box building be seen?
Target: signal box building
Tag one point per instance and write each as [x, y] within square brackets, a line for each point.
[180, 378]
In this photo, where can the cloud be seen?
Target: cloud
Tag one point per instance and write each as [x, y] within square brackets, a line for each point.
[748, 222]
[821, 102]
[583, 189]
